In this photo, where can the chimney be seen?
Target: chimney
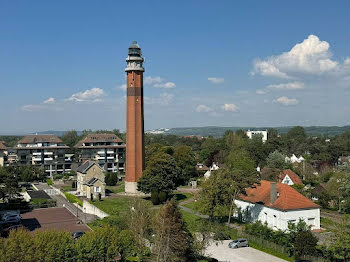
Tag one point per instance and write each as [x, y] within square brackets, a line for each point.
[273, 192]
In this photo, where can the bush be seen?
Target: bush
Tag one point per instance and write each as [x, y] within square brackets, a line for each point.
[163, 197]
[73, 199]
[111, 179]
[42, 202]
[49, 182]
[155, 197]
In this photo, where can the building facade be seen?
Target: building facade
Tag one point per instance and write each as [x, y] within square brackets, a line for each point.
[91, 180]
[3, 154]
[277, 204]
[135, 149]
[262, 133]
[46, 151]
[107, 150]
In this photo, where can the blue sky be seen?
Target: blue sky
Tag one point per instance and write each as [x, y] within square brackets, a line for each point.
[225, 63]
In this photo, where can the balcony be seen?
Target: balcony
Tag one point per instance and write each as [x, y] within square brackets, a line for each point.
[36, 158]
[48, 158]
[100, 157]
[110, 152]
[36, 153]
[48, 153]
[110, 157]
[101, 152]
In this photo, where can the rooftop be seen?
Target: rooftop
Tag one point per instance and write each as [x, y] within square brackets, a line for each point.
[32, 139]
[287, 199]
[99, 138]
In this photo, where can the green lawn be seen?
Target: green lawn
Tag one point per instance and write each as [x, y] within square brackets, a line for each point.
[115, 206]
[181, 196]
[193, 205]
[119, 188]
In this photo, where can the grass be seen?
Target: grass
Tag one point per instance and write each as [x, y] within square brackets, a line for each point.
[115, 206]
[181, 196]
[73, 199]
[192, 221]
[194, 206]
[68, 188]
[119, 188]
[49, 182]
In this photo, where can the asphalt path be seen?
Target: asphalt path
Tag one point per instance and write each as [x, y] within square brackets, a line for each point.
[221, 251]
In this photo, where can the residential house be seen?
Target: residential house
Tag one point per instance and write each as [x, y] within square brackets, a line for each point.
[201, 168]
[3, 153]
[262, 133]
[214, 166]
[276, 204]
[107, 150]
[91, 180]
[46, 151]
[288, 177]
[294, 159]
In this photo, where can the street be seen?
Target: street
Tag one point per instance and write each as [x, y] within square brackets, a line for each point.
[222, 252]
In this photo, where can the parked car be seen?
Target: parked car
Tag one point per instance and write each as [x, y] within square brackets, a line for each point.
[6, 231]
[11, 218]
[241, 242]
[77, 234]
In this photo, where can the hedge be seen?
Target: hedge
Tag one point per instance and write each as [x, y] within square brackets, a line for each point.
[73, 199]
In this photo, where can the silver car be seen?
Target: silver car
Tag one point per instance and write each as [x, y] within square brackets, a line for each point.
[240, 242]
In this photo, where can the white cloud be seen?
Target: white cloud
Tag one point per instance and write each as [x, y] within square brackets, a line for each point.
[216, 80]
[261, 92]
[230, 107]
[32, 108]
[165, 85]
[153, 80]
[287, 86]
[283, 100]
[50, 100]
[91, 95]
[311, 56]
[203, 108]
[122, 87]
[163, 99]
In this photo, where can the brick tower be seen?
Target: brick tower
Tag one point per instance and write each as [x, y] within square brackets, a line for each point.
[134, 118]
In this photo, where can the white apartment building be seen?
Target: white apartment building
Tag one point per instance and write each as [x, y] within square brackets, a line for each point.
[47, 151]
[262, 133]
[107, 150]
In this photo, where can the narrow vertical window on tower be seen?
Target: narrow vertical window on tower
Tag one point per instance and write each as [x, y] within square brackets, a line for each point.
[134, 118]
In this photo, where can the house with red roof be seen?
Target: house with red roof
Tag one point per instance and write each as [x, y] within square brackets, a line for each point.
[288, 177]
[276, 204]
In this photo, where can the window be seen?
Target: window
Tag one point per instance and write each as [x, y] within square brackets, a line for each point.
[311, 221]
[97, 189]
[274, 220]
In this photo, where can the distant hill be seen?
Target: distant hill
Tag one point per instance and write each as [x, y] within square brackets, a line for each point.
[57, 133]
[216, 131]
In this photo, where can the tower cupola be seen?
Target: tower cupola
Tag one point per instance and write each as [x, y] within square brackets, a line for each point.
[134, 59]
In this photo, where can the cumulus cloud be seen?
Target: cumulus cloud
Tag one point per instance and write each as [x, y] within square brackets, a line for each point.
[283, 100]
[261, 92]
[152, 80]
[163, 99]
[158, 82]
[230, 107]
[216, 80]
[312, 56]
[203, 108]
[122, 87]
[91, 95]
[165, 85]
[287, 86]
[50, 100]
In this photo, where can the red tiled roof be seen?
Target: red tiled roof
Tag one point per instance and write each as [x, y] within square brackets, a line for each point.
[294, 177]
[2, 146]
[99, 138]
[49, 138]
[288, 198]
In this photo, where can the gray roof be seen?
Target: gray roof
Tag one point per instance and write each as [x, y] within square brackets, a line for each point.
[85, 166]
[38, 194]
[92, 181]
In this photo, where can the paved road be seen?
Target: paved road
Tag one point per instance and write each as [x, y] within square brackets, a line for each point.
[222, 252]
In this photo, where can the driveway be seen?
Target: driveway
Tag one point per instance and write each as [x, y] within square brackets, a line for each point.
[222, 252]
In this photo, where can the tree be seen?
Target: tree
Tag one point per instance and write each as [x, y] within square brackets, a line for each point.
[161, 174]
[172, 241]
[305, 244]
[340, 248]
[70, 138]
[111, 179]
[276, 160]
[220, 191]
[186, 161]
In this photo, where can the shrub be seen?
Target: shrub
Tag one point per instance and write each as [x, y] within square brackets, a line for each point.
[111, 179]
[163, 197]
[73, 199]
[49, 182]
[155, 197]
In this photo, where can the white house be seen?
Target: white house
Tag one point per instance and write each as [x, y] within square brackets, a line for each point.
[214, 166]
[288, 177]
[277, 204]
[250, 134]
[294, 159]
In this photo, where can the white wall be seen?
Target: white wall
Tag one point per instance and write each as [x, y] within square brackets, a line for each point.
[287, 180]
[91, 209]
[277, 219]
